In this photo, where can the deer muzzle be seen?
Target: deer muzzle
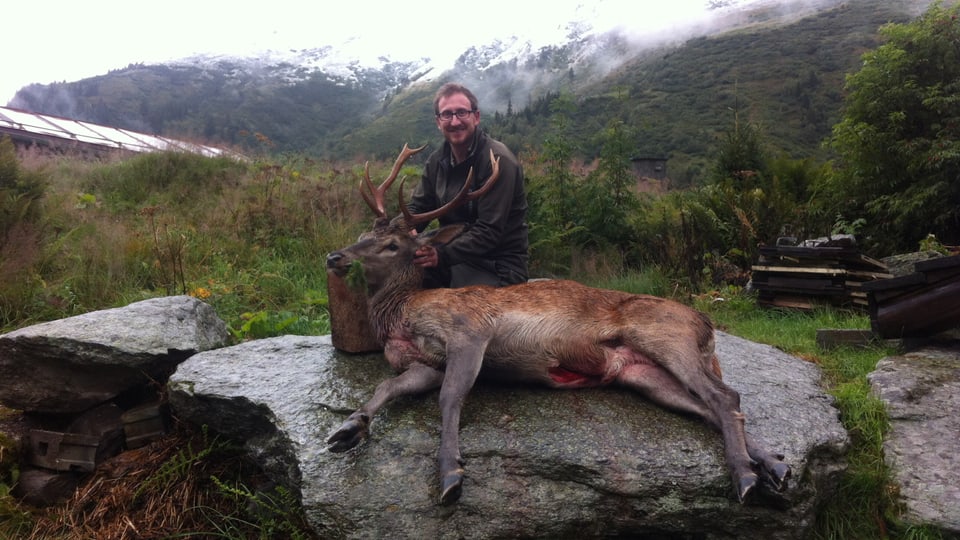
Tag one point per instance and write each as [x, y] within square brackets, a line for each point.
[333, 259]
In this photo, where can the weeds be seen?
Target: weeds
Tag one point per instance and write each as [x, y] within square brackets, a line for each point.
[15, 519]
[250, 239]
[263, 324]
[168, 247]
[177, 467]
[273, 511]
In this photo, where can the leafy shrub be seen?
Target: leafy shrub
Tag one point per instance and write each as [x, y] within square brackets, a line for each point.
[20, 190]
[899, 138]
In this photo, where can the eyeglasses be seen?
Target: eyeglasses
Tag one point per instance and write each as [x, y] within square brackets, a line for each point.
[461, 114]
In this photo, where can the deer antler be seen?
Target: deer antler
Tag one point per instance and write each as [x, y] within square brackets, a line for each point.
[463, 196]
[374, 198]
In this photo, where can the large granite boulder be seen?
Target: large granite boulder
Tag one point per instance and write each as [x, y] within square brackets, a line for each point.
[540, 463]
[921, 392]
[73, 364]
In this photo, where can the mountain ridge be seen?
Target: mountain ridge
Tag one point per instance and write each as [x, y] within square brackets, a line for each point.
[324, 103]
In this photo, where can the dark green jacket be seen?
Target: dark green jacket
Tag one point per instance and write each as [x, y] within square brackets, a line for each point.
[497, 221]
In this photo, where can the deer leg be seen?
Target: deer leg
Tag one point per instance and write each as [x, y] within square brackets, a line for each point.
[719, 397]
[463, 366]
[725, 404]
[662, 388]
[418, 378]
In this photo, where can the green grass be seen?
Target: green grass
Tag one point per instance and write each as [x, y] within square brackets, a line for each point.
[652, 281]
[250, 239]
[246, 237]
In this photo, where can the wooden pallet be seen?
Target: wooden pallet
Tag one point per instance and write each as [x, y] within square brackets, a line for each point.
[805, 277]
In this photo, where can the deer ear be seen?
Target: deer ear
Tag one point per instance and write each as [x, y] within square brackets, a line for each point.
[442, 235]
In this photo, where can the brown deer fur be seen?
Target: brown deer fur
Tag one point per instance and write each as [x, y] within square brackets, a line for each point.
[554, 333]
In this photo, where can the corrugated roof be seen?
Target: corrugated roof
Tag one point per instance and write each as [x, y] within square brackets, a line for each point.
[46, 127]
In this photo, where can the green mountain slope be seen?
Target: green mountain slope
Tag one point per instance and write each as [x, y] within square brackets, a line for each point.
[788, 78]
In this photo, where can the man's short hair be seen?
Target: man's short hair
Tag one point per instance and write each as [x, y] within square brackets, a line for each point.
[450, 89]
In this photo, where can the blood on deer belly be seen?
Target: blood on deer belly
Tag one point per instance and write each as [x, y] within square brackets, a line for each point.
[593, 370]
[565, 378]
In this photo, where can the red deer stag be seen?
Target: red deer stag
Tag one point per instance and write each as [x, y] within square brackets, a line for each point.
[555, 333]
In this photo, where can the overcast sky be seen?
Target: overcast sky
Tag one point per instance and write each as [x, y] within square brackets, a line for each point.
[65, 40]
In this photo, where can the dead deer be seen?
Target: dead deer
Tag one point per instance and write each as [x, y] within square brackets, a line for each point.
[556, 333]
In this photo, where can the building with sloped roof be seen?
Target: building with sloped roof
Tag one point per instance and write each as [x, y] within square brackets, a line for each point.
[63, 135]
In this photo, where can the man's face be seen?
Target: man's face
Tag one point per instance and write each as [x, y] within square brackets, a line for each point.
[457, 131]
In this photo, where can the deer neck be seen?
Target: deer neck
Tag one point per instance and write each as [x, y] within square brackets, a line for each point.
[386, 303]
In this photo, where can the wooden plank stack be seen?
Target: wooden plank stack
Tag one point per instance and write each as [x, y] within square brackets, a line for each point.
[804, 277]
[917, 305]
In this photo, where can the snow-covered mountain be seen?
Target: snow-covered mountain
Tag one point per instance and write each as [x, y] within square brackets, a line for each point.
[343, 98]
[578, 45]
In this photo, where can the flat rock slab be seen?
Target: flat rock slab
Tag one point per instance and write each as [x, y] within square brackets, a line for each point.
[921, 391]
[540, 463]
[73, 364]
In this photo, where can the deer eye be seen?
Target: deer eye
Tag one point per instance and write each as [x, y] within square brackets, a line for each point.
[392, 246]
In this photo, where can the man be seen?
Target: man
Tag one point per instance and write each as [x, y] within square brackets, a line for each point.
[494, 248]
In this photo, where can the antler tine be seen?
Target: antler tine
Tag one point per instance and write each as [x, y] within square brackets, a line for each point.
[374, 199]
[405, 154]
[374, 196]
[463, 196]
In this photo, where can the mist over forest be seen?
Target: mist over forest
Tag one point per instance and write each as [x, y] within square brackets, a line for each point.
[780, 64]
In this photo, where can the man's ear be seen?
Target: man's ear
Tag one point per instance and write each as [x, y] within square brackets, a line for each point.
[441, 235]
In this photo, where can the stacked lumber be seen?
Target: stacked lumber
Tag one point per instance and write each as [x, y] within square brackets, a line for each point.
[920, 304]
[804, 277]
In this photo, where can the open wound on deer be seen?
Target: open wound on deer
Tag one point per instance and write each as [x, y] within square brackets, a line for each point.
[553, 333]
[567, 378]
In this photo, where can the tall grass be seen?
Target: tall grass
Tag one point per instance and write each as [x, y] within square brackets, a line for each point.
[250, 238]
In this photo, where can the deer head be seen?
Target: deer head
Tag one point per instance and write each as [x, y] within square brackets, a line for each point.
[386, 252]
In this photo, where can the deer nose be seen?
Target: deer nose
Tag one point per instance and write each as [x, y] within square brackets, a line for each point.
[333, 259]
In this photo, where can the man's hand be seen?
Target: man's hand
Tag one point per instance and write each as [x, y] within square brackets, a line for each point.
[426, 257]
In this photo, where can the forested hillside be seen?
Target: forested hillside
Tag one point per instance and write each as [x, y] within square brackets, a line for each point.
[786, 78]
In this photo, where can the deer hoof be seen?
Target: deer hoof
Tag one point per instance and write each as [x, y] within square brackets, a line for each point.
[745, 485]
[451, 487]
[779, 474]
[349, 434]
[774, 473]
